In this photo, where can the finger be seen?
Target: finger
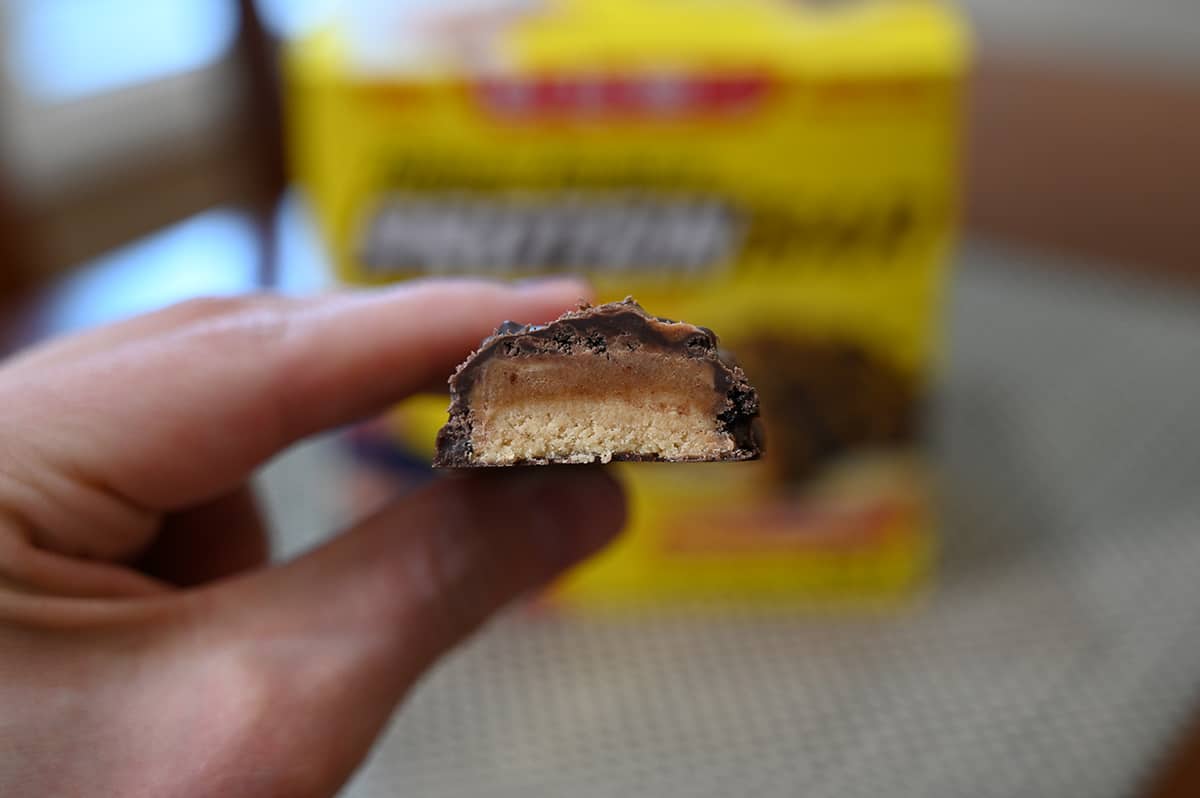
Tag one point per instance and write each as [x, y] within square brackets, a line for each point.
[157, 419]
[347, 629]
[429, 568]
[70, 348]
[216, 540]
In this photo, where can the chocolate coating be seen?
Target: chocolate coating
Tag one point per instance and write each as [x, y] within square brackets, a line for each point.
[595, 330]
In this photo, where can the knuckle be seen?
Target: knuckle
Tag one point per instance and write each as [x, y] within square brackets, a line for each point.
[236, 320]
[246, 692]
[237, 326]
[212, 306]
[249, 312]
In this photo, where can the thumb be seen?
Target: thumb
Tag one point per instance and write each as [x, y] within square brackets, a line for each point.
[342, 633]
[428, 570]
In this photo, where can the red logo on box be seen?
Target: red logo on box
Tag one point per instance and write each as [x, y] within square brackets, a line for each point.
[643, 96]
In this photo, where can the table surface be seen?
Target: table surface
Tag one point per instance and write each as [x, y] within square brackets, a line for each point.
[1057, 654]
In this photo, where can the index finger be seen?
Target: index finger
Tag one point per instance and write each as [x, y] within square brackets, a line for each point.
[171, 417]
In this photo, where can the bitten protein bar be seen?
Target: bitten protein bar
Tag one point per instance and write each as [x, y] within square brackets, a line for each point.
[598, 384]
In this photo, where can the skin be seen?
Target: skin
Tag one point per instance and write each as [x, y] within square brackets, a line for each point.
[146, 647]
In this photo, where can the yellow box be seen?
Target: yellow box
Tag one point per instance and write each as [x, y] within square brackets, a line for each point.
[784, 173]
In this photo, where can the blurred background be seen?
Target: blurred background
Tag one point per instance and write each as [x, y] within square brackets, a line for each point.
[143, 160]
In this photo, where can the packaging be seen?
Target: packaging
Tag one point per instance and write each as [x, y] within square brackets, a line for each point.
[783, 173]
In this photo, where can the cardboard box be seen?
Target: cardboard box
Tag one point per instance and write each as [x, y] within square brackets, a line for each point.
[784, 173]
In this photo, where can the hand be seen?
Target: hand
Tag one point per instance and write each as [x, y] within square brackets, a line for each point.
[145, 649]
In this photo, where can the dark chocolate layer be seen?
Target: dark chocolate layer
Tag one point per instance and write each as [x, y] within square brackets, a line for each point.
[596, 330]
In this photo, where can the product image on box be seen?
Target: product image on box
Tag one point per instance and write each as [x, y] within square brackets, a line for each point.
[826, 398]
